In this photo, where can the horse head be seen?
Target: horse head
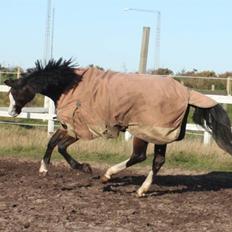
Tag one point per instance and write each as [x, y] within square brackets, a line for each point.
[50, 79]
[20, 94]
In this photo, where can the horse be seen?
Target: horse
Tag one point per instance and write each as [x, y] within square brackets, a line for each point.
[92, 103]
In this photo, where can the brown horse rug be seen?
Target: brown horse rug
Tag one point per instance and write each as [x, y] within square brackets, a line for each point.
[149, 107]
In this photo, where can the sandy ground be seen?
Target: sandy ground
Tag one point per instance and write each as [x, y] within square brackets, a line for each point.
[67, 200]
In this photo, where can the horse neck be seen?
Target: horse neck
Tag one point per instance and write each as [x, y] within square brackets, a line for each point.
[52, 92]
[51, 89]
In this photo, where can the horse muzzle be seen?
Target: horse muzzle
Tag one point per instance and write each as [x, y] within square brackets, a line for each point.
[14, 112]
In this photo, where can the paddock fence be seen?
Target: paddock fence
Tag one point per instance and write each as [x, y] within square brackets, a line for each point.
[218, 89]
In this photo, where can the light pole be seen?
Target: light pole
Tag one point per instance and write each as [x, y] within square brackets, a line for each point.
[48, 53]
[47, 47]
[157, 34]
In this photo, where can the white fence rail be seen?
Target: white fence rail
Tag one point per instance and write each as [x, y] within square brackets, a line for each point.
[49, 114]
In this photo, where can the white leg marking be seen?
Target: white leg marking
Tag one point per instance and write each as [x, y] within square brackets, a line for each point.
[11, 109]
[146, 185]
[43, 168]
[128, 136]
[115, 169]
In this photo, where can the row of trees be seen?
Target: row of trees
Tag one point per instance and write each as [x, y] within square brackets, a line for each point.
[205, 85]
[160, 71]
[193, 73]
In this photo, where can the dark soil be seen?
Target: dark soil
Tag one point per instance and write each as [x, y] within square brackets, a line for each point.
[67, 200]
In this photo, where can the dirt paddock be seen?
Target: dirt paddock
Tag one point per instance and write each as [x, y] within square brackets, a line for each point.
[67, 200]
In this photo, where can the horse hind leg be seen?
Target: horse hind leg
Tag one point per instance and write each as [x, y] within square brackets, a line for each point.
[138, 155]
[158, 161]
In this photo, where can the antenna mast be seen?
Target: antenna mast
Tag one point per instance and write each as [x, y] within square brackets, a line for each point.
[157, 42]
[47, 46]
[52, 35]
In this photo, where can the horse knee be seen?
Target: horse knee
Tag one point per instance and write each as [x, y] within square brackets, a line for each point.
[61, 148]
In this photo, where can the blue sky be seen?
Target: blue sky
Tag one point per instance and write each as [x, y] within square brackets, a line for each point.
[195, 34]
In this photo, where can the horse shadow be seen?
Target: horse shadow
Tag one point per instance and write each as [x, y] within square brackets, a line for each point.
[167, 184]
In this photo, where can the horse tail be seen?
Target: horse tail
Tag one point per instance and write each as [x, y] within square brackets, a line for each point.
[216, 121]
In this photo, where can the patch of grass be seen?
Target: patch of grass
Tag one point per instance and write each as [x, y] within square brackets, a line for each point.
[196, 156]
[191, 154]
[196, 162]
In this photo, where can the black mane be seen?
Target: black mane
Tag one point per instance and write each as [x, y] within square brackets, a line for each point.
[53, 78]
[53, 65]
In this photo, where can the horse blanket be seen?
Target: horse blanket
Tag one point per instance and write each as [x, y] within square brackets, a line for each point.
[104, 103]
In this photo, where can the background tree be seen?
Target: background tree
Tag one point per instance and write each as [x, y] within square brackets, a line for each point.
[225, 75]
[195, 73]
[161, 71]
[96, 66]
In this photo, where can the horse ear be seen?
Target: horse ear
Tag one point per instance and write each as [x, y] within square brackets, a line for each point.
[10, 82]
[15, 83]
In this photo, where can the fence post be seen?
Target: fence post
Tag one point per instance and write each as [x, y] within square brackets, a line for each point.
[46, 102]
[51, 113]
[207, 138]
[212, 87]
[18, 72]
[128, 135]
[228, 90]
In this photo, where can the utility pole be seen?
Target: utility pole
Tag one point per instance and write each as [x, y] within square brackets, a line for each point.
[157, 13]
[144, 50]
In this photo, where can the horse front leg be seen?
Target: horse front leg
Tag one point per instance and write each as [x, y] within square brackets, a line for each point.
[54, 140]
[138, 155]
[63, 140]
[74, 164]
[158, 161]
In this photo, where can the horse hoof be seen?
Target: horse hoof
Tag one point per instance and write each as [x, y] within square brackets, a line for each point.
[140, 193]
[43, 170]
[86, 168]
[43, 174]
[104, 179]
